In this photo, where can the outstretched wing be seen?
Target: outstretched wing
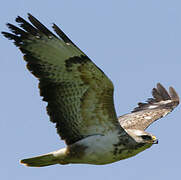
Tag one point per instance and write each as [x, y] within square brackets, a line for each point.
[79, 94]
[157, 107]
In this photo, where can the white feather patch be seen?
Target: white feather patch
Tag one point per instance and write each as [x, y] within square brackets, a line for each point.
[152, 106]
[148, 117]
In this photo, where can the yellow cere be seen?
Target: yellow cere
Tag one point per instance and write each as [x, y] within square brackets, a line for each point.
[154, 138]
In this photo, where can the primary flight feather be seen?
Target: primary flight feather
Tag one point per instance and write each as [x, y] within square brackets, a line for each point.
[80, 100]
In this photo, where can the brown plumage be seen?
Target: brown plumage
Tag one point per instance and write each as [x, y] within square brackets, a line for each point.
[157, 107]
[80, 100]
[75, 89]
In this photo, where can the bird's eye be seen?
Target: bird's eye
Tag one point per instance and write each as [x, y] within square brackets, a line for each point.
[146, 137]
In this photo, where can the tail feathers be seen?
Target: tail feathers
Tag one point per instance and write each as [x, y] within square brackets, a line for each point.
[40, 161]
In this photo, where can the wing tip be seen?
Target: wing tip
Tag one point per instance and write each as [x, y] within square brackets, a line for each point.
[173, 94]
[19, 19]
[29, 14]
[160, 94]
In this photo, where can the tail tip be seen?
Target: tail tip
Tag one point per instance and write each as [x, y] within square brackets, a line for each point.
[23, 162]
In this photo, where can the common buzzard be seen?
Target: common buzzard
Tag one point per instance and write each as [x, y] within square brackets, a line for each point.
[80, 100]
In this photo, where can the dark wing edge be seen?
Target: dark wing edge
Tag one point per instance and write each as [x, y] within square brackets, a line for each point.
[37, 29]
[161, 98]
[162, 103]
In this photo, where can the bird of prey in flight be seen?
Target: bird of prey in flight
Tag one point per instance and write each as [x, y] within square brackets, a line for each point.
[80, 100]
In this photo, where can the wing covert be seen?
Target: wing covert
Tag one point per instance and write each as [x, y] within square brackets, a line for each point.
[79, 94]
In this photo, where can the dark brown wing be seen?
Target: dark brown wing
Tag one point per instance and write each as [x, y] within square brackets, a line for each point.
[157, 107]
[79, 94]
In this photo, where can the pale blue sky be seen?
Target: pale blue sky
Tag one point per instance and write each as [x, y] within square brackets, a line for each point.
[137, 43]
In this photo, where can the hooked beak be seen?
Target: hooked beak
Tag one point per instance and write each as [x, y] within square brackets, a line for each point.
[155, 140]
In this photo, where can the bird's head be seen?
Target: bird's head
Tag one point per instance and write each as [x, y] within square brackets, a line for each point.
[142, 137]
